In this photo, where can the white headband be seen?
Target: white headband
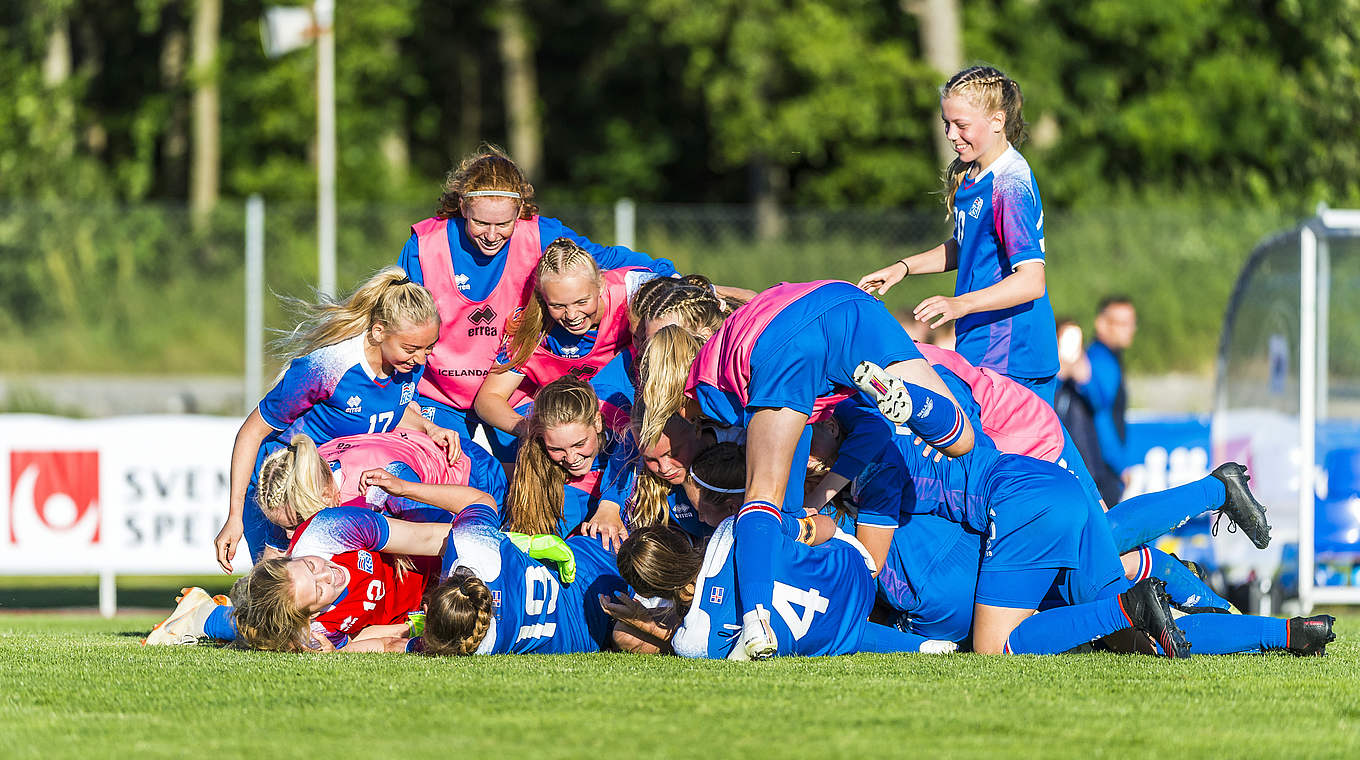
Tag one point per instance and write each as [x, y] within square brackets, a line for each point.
[714, 489]
[496, 193]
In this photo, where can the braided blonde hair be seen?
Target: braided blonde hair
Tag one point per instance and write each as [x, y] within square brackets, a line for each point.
[526, 332]
[293, 482]
[990, 90]
[457, 615]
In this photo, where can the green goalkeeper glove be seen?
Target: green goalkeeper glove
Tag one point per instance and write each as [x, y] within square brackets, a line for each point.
[550, 548]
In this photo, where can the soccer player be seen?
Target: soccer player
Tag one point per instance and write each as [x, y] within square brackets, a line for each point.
[355, 367]
[477, 256]
[498, 598]
[1000, 302]
[403, 474]
[564, 465]
[575, 324]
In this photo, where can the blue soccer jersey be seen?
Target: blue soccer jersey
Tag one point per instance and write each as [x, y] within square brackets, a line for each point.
[998, 225]
[332, 392]
[822, 596]
[533, 612]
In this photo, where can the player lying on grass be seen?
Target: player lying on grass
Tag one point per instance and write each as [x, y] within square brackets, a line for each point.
[931, 569]
[498, 598]
[300, 480]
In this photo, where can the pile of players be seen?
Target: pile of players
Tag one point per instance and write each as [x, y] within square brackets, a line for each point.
[681, 467]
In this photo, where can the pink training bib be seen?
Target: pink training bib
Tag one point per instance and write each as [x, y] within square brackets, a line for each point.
[374, 451]
[470, 332]
[724, 362]
[1016, 419]
[612, 336]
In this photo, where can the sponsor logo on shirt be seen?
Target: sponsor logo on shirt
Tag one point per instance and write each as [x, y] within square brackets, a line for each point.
[976, 209]
[366, 562]
[461, 280]
[716, 595]
[582, 373]
[482, 319]
[356, 405]
[408, 392]
[465, 372]
[571, 352]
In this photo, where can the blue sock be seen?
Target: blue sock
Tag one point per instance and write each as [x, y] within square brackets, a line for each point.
[934, 417]
[755, 543]
[1183, 586]
[1057, 630]
[1142, 519]
[1229, 634]
[219, 624]
[882, 638]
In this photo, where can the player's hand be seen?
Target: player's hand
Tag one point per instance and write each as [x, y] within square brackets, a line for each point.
[939, 308]
[226, 542]
[626, 609]
[926, 451]
[384, 480]
[447, 440]
[883, 279]
[608, 527]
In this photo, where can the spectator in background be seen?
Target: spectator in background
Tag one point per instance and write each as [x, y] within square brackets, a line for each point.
[1116, 323]
[1074, 370]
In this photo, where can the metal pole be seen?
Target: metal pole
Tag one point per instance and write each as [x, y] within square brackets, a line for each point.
[253, 385]
[108, 592]
[325, 141]
[625, 223]
[1307, 410]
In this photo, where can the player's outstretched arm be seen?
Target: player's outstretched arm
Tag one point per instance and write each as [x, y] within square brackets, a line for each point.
[248, 439]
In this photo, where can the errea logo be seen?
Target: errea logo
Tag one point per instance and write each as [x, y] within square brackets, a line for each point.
[461, 280]
[355, 405]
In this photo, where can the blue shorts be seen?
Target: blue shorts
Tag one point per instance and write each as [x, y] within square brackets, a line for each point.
[259, 531]
[798, 357]
[1043, 387]
[1037, 515]
[932, 574]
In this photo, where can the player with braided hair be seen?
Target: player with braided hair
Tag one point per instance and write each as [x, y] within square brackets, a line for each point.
[575, 324]
[1000, 301]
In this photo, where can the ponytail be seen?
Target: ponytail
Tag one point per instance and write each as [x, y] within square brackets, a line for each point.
[388, 298]
[989, 89]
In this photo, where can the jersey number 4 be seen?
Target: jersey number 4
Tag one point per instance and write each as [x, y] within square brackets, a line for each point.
[811, 600]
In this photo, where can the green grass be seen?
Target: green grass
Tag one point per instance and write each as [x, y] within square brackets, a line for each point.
[80, 686]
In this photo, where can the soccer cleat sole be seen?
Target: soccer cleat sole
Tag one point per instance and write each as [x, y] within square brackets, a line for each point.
[886, 389]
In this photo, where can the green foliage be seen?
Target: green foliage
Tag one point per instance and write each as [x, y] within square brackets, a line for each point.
[82, 687]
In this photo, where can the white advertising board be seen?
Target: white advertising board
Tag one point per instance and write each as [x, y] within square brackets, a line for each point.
[116, 495]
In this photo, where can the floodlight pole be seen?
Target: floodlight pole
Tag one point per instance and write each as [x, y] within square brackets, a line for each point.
[324, 11]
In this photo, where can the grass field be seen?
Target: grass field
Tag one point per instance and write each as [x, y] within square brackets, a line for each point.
[81, 686]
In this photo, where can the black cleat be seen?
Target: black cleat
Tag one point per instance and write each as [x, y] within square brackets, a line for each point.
[1148, 609]
[1309, 636]
[1241, 507]
[1199, 570]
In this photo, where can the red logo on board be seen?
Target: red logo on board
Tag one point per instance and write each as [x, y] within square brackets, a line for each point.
[53, 497]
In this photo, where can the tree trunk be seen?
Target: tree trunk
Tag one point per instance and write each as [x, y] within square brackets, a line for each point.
[941, 45]
[205, 169]
[521, 88]
[176, 142]
[768, 183]
[56, 71]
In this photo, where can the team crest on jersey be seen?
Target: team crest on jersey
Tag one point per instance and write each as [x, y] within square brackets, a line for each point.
[461, 280]
[356, 405]
[408, 392]
[716, 595]
[976, 209]
[366, 562]
[427, 412]
[496, 603]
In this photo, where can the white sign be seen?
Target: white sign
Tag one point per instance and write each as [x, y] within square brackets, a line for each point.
[124, 494]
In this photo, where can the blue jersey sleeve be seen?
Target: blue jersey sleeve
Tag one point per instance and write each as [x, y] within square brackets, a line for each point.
[410, 260]
[486, 474]
[868, 433]
[878, 496]
[342, 529]
[607, 256]
[1019, 220]
[304, 385]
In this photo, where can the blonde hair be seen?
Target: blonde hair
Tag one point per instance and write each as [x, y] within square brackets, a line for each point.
[536, 497]
[648, 504]
[663, 372]
[266, 615]
[525, 332]
[990, 90]
[698, 310]
[487, 168]
[457, 615]
[388, 298]
[293, 482]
